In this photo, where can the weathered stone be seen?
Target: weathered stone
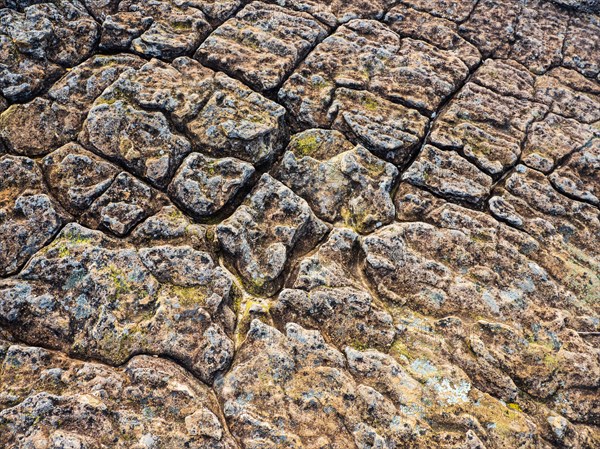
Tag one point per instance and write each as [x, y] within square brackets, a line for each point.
[265, 232]
[339, 182]
[327, 295]
[123, 205]
[491, 26]
[56, 120]
[540, 35]
[169, 226]
[486, 127]
[142, 141]
[52, 401]
[442, 33]
[262, 44]
[238, 122]
[295, 379]
[367, 55]
[447, 174]
[570, 94]
[38, 38]
[582, 44]
[335, 12]
[204, 186]
[552, 139]
[453, 10]
[28, 217]
[161, 28]
[391, 131]
[92, 296]
[77, 177]
[580, 176]
[550, 216]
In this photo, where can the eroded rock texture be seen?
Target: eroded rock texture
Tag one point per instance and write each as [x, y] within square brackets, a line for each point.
[235, 224]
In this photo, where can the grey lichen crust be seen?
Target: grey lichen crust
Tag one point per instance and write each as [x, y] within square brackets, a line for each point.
[347, 224]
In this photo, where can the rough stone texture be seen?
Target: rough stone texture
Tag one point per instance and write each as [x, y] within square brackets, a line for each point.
[158, 28]
[265, 231]
[339, 182]
[447, 174]
[94, 297]
[38, 39]
[28, 217]
[262, 44]
[344, 224]
[204, 186]
[53, 401]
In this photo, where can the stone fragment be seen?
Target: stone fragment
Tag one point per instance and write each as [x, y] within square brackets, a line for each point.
[169, 226]
[178, 89]
[92, 296]
[447, 174]
[261, 44]
[336, 12]
[28, 217]
[61, 402]
[390, 131]
[491, 26]
[265, 232]
[579, 4]
[77, 177]
[204, 186]
[123, 205]
[162, 28]
[456, 11]
[238, 122]
[281, 383]
[326, 294]
[569, 94]
[38, 39]
[580, 176]
[550, 216]
[540, 35]
[339, 182]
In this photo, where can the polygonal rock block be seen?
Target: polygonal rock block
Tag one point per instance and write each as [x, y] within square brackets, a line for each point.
[338, 181]
[57, 400]
[76, 176]
[143, 141]
[123, 205]
[265, 232]
[390, 131]
[447, 174]
[161, 28]
[28, 217]
[97, 297]
[204, 186]
[261, 44]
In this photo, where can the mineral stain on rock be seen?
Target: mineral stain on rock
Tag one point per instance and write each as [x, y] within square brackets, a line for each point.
[237, 224]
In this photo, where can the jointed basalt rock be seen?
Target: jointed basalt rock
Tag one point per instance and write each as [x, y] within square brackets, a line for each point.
[353, 224]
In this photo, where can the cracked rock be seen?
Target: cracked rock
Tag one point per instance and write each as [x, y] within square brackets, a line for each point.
[264, 233]
[54, 401]
[339, 182]
[91, 296]
[29, 219]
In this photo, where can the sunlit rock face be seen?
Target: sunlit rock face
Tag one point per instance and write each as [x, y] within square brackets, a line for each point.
[347, 224]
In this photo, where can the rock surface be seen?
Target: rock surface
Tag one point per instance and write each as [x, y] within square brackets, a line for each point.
[264, 224]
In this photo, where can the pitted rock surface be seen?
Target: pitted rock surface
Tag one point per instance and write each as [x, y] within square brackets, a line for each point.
[345, 224]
